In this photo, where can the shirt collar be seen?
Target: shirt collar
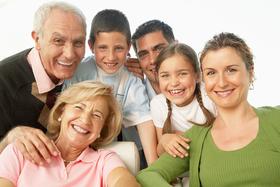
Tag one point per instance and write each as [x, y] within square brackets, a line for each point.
[43, 81]
[88, 155]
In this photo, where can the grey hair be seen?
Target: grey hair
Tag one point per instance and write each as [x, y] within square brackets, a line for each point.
[44, 11]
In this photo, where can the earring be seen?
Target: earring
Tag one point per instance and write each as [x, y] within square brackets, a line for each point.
[251, 84]
[59, 119]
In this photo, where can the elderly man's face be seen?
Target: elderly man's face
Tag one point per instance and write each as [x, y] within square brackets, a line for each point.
[61, 44]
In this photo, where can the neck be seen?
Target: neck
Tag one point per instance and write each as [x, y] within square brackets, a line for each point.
[68, 152]
[232, 117]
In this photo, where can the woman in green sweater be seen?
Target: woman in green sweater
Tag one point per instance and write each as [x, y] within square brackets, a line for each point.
[242, 146]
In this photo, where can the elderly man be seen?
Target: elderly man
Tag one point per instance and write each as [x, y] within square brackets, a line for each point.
[30, 80]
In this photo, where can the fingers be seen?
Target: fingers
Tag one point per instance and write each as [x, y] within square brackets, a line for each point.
[29, 151]
[20, 146]
[132, 62]
[179, 146]
[36, 146]
[50, 145]
[133, 66]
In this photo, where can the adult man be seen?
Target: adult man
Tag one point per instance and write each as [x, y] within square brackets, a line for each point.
[148, 40]
[28, 78]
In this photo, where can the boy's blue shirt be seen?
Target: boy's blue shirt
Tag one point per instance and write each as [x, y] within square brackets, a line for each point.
[133, 98]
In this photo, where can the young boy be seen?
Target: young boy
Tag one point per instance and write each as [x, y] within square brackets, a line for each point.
[110, 43]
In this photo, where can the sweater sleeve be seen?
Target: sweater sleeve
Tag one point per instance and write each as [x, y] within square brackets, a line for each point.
[164, 170]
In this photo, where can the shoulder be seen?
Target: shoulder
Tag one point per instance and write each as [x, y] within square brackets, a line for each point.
[10, 152]
[101, 154]
[109, 159]
[269, 116]
[272, 113]
[158, 100]
[15, 72]
[132, 78]
[86, 70]
[196, 131]
[87, 65]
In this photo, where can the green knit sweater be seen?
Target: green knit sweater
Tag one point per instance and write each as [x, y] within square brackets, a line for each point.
[255, 165]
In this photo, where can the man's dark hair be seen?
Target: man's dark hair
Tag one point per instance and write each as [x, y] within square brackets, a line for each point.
[153, 26]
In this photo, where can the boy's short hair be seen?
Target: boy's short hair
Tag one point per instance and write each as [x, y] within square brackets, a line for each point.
[110, 20]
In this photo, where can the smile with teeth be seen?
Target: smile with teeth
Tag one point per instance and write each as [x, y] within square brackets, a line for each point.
[65, 63]
[111, 64]
[176, 92]
[224, 93]
[79, 129]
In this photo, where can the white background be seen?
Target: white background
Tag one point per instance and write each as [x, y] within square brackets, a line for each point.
[193, 22]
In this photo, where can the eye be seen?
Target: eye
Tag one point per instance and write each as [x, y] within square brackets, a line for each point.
[184, 73]
[79, 44]
[142, 55]
[97, 115]
[78, 107]
[58, 41]
[158, 49]
[119, 48]
[102, 47]
[231, 70]
[164, 75]
[210, 73]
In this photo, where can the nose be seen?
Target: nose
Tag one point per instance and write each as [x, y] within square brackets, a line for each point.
[69, 51]
[174, 80]
[152, 57]
[111, 54]
[222, 81]
[85, 117]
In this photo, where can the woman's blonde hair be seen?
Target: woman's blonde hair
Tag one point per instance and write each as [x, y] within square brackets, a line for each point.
[84, 91]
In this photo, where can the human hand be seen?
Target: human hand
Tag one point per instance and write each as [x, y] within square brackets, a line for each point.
[133, 66]
[33, 144]
[175, 144]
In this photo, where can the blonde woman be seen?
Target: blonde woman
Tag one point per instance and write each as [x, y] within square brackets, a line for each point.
[84, 117]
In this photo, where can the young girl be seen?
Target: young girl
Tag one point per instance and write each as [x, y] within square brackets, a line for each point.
[181, 103]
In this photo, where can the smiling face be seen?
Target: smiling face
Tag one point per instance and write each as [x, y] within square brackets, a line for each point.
[82, 122]
[226, 78]
[177, 80]
[110, 49]
[61, 44]
[148, 48]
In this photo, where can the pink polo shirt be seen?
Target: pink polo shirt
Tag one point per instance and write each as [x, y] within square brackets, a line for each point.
[43, 81]
[90, 169]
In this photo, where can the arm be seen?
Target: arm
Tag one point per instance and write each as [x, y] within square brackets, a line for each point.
[6, 182]
[120, 177]
[148, 139]
[172, 143]
[163, 171]
[132, 64]
[32, 143]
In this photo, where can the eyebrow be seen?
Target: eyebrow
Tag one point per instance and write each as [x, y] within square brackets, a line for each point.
[178, 71]
[57, 34]
[153, 48]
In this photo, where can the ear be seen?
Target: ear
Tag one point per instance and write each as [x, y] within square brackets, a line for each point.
[36, 38]
[252, 73]
[90, 44]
